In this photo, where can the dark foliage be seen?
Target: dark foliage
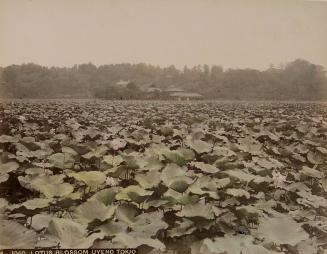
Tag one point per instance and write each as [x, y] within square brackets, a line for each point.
[298, 80]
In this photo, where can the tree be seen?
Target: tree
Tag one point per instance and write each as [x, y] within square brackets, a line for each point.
[131, 86]
[297, 80]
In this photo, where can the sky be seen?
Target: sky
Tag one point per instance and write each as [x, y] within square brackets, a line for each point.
[230, 33]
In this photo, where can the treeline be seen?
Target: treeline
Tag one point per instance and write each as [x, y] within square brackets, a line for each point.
[297, 80]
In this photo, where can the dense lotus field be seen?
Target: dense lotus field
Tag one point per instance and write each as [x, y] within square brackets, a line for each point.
[164, 177]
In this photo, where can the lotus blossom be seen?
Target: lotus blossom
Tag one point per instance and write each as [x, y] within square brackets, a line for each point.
[279, 179]
[111, 181]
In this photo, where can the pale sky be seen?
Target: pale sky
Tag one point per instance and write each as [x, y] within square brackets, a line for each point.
[233, 34]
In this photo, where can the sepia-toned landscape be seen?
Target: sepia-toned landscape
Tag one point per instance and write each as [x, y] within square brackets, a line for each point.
[172, 127]
[200, 177]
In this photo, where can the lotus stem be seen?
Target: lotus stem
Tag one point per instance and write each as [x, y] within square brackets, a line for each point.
[70, 214]
[246, 186]
[31, 220]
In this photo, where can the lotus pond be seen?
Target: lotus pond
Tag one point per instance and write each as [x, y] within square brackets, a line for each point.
[164, 177]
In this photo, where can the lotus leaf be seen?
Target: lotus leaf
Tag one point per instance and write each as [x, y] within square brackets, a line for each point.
[113, 160]
[197, 210]
[51, 186]
[132, 241]
[14, 235]
[133, 192]
[106, 196]
[41, 221]
[233, 245]
[238, 193]
[186, 227]
[316, 157]
[8, 139]
[37, 203]
[93, 210]
[148, 180]
[199, 146]
[180, 183]
[8, 167]
[311, 172]
[91, 178]
[61, 160]
[70, 234]
[282, 230]
[170, 172]
[112, 228]
[206, 168]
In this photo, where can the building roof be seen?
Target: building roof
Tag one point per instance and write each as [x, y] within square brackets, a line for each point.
[123, 82]
[174, 89]
[153, 89]
[189, 95]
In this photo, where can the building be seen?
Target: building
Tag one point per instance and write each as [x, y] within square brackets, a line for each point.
[174, 89]
[186, 96]
[122, 83]
[153, 90]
